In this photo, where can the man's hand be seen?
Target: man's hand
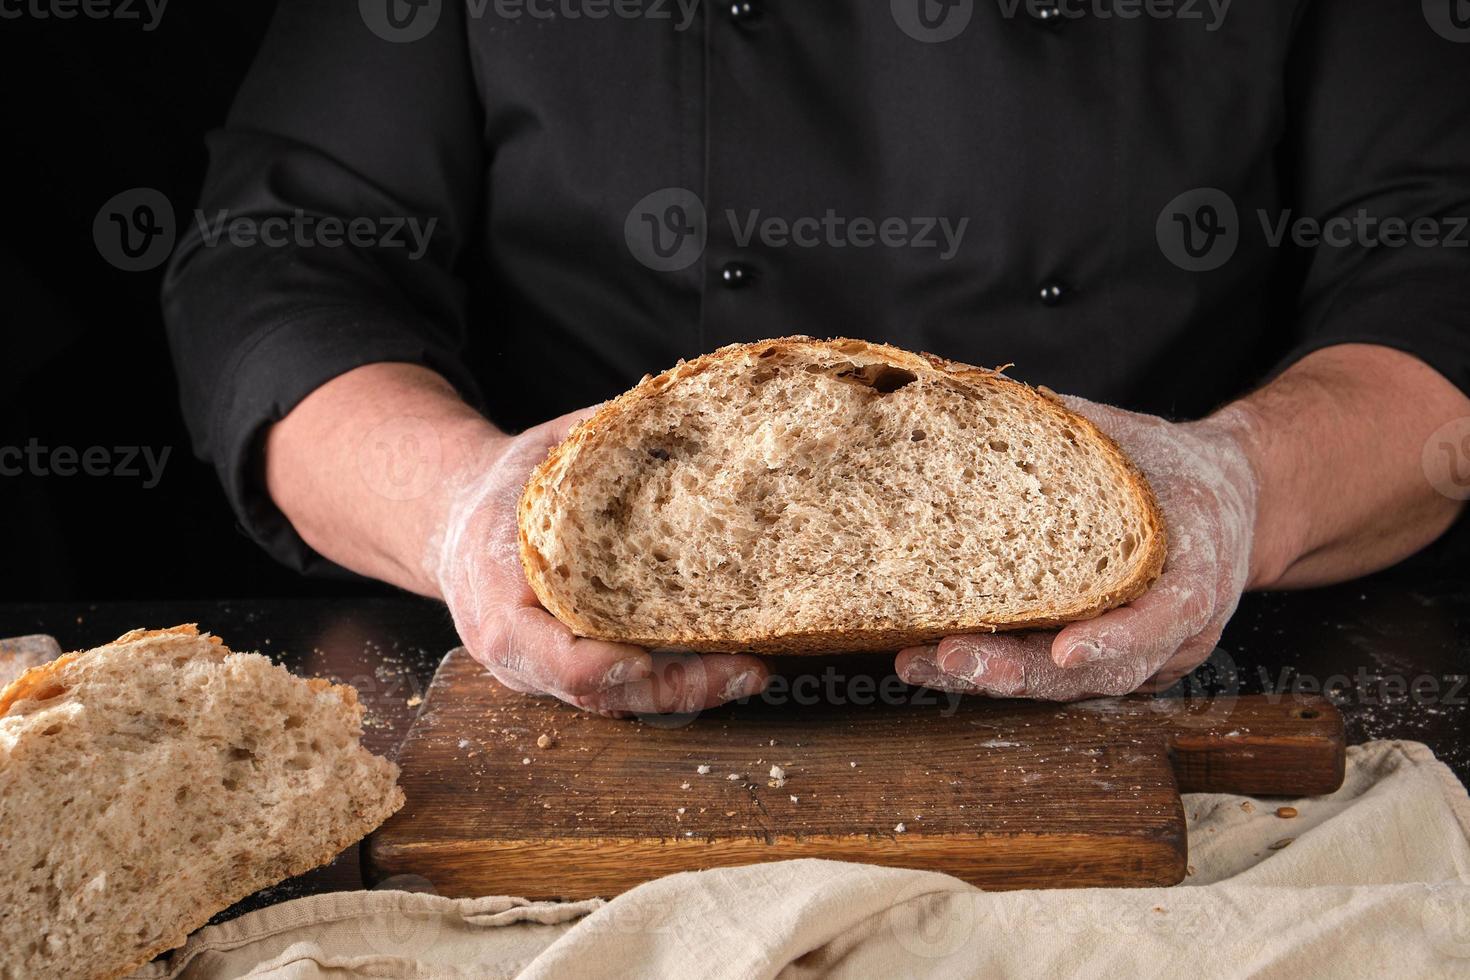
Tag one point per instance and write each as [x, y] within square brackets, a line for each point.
[1208, 492]
[1317, 477]
[475, 562]
[452, 534]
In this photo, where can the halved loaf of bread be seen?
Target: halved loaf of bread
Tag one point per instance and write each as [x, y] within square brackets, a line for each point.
[150, 783]
[804, 496]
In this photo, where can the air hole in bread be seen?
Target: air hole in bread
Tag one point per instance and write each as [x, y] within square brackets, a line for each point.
[48, 692]
[918, 435]
[885, 379]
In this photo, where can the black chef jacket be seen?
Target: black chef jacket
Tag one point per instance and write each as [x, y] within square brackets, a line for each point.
[615, 184]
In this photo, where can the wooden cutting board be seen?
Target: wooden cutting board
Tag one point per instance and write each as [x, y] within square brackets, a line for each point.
[1003, 794]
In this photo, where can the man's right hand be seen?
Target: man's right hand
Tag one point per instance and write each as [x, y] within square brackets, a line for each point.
[475, 561]
[440, 520]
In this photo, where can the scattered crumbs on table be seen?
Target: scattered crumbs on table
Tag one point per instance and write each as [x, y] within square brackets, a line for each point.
[778, 778]
[1247, 806]
[772, 742]
[795, 799]
[415, 701]
[526, 761]
[684, 785]
[464, 743]
[853, 764]
[702, 770]
[1283, 842]
[1189, 870]
[1286, 812]
[899, 828]
[729, 813]
[680, 811]
[734, 775]
[544, 741]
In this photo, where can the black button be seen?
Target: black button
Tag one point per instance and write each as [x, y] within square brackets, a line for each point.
[744, 11]
[1048, 14]
[736, 275]
[1052, 293]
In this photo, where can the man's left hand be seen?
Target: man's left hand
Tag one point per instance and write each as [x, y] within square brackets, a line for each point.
[1207, 489]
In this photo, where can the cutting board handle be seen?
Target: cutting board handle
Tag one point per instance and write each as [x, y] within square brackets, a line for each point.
[1256, 745]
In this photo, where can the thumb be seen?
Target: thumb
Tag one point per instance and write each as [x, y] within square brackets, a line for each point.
[555, 430]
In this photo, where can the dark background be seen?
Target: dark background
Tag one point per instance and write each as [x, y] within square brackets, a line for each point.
[91, 108]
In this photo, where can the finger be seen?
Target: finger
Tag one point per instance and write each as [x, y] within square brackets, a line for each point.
[1109, 418]
[1190, 655]
[683, 683]
[540, 651]
[555, 430]
[917, 665]
[1020, 666]
[1150, 629]
[996, 664]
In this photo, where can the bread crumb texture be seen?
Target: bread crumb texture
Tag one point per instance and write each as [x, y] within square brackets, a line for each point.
[152, 782]
[796, 495]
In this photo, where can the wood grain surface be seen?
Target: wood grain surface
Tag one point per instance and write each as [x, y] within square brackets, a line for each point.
[509, 794]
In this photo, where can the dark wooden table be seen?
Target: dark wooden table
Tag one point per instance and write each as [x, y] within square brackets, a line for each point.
[1393, 653]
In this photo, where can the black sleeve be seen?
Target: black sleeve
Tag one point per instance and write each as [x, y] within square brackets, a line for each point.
[1378, 128]
[333, 124]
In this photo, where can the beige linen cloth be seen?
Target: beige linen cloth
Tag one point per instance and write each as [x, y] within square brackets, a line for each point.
[1371, 881]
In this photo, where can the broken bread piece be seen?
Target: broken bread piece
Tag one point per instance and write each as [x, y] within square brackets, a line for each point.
[805, 496]
[150, 783]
